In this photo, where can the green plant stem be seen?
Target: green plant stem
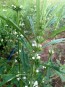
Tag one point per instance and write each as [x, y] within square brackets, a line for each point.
[18, 42]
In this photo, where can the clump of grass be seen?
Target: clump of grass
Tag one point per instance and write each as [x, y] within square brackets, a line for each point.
[26, 27]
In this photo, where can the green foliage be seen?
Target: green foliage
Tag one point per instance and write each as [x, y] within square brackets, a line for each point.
[26, 24]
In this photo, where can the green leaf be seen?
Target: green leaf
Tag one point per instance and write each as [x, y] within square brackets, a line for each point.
[32, 24]
[8, 77]
[52, 42]
[58, 31]
[37, 15]
[24, 60]
[62, 76]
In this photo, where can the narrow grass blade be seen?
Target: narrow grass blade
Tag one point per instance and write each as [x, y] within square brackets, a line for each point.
[52, 42]
[58, 31]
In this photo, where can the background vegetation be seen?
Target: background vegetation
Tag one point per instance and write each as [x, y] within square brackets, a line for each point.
[32, 50]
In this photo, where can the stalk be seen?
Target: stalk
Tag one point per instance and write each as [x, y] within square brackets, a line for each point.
[18, 40]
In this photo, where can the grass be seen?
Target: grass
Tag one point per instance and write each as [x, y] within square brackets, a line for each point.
[27, 28]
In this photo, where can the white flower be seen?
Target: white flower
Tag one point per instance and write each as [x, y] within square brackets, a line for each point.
[33, 58]
[37, 70]
[15, 32]
[26, 86]
[15, 61]
[18, 79]
[21, 35]
[21, 24]
[35, 84]
[44, 67]
[43, 80]
[51, 51]
[34, 44]
[24, 77]
[37, 56]
[1, 40]
[19, 50]
[14, 6]
[29, 82]
[21, 6]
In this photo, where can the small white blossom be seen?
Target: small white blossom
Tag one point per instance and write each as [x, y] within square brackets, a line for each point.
[19, 50]
[16, 52]
[34, 44]
[52, 51]
[26, 86]
[24, 77]
[21, 35]
[14, 6]
[37, 70]
[33, 58]
[1, 40]
[49, 51]
[29, 82]
[43, 81]
[18, 79]
[21, 6]
[44, 67]
[21, 24]
[15, 32]
[35, 84]
[37, 56]
[15, 61]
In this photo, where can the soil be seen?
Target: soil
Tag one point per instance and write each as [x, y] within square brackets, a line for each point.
[59, 54]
